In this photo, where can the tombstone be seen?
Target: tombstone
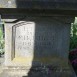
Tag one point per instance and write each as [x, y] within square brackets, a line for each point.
[37, 37]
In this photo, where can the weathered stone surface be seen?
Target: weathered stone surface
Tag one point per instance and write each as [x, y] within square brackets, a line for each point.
[38, 41]
[39, 7]
[24, 39]
[41, 40]
[40, 4]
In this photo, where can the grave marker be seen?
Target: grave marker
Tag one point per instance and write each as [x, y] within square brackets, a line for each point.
[37, 33]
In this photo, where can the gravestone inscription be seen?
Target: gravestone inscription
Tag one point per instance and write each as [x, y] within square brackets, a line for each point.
[39, 40]
[32, 39]
[23, 38]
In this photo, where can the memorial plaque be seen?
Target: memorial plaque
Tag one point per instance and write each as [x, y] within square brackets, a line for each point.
[38, 42]
[23, 39]
[30, 39]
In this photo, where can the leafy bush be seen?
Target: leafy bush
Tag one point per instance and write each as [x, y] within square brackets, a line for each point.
[73, 38]
[1, 41]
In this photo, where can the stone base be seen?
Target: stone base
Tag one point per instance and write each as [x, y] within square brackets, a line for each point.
[36, 72]
[13, 73]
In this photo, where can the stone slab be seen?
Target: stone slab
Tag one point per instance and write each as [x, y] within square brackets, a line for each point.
[38, 42]
[40, 4]
[45, 38]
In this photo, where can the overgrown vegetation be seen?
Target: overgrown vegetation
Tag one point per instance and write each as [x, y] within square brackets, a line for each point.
[1, 41]
[73, 37]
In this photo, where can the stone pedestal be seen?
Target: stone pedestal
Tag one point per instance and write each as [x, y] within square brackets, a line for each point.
[40, 45]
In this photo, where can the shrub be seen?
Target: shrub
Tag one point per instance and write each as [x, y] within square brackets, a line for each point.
[1, 41]
[73, 37]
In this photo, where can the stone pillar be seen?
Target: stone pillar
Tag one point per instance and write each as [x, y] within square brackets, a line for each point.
[39, 42]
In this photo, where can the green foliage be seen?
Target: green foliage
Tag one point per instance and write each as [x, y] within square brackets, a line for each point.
[73, 38]
[1, 41]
